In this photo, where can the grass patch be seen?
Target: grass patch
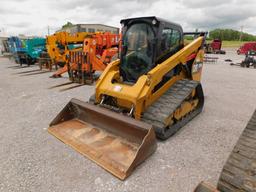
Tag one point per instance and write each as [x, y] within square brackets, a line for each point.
[232, 43]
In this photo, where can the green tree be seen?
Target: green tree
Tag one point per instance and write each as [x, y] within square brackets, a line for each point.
[68, 24]
[230, 35]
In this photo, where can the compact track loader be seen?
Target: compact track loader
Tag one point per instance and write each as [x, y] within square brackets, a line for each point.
[153, 89]
[238, 174]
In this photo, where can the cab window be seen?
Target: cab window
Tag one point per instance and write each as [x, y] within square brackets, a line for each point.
[170, 40]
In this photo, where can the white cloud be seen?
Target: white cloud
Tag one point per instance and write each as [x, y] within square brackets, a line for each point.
[32, 17]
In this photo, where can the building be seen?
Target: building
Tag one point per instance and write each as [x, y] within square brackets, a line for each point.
[90, 28]
[3, 45]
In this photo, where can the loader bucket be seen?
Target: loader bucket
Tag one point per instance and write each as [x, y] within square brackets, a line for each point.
[115, 142]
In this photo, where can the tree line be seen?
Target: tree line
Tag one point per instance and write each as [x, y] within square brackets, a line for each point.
[231, 35]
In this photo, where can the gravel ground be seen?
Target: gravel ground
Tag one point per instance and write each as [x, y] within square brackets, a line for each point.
[33, 160]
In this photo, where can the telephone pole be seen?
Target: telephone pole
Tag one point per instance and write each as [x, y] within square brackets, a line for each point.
[241, 33]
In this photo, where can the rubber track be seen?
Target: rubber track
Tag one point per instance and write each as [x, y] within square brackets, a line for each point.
[172, 99]
[239, 172]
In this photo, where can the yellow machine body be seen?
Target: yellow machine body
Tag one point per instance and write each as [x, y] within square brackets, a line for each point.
[117, 129]
[141, 93]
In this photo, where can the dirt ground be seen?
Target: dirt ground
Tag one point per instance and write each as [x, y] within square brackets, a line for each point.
[33, 160]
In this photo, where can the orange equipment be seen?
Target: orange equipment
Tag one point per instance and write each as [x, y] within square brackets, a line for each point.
[98, 50]
[58, 47]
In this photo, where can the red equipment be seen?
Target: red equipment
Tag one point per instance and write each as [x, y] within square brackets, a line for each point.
[214, 47]
[250, 46]
[216, 44]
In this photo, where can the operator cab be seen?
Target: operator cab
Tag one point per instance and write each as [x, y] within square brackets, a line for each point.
[146, 42]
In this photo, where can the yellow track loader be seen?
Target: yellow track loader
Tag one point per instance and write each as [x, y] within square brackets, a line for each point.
[151, 91]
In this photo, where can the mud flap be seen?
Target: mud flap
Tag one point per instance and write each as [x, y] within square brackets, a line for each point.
[115, 142]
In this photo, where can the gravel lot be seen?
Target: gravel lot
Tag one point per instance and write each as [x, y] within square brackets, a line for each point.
[33, 160]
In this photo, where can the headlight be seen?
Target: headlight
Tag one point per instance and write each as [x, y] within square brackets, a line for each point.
[154, 21]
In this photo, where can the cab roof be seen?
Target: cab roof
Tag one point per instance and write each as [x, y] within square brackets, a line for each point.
[150, 18]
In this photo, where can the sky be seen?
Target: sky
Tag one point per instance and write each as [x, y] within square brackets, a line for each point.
[32, 17]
